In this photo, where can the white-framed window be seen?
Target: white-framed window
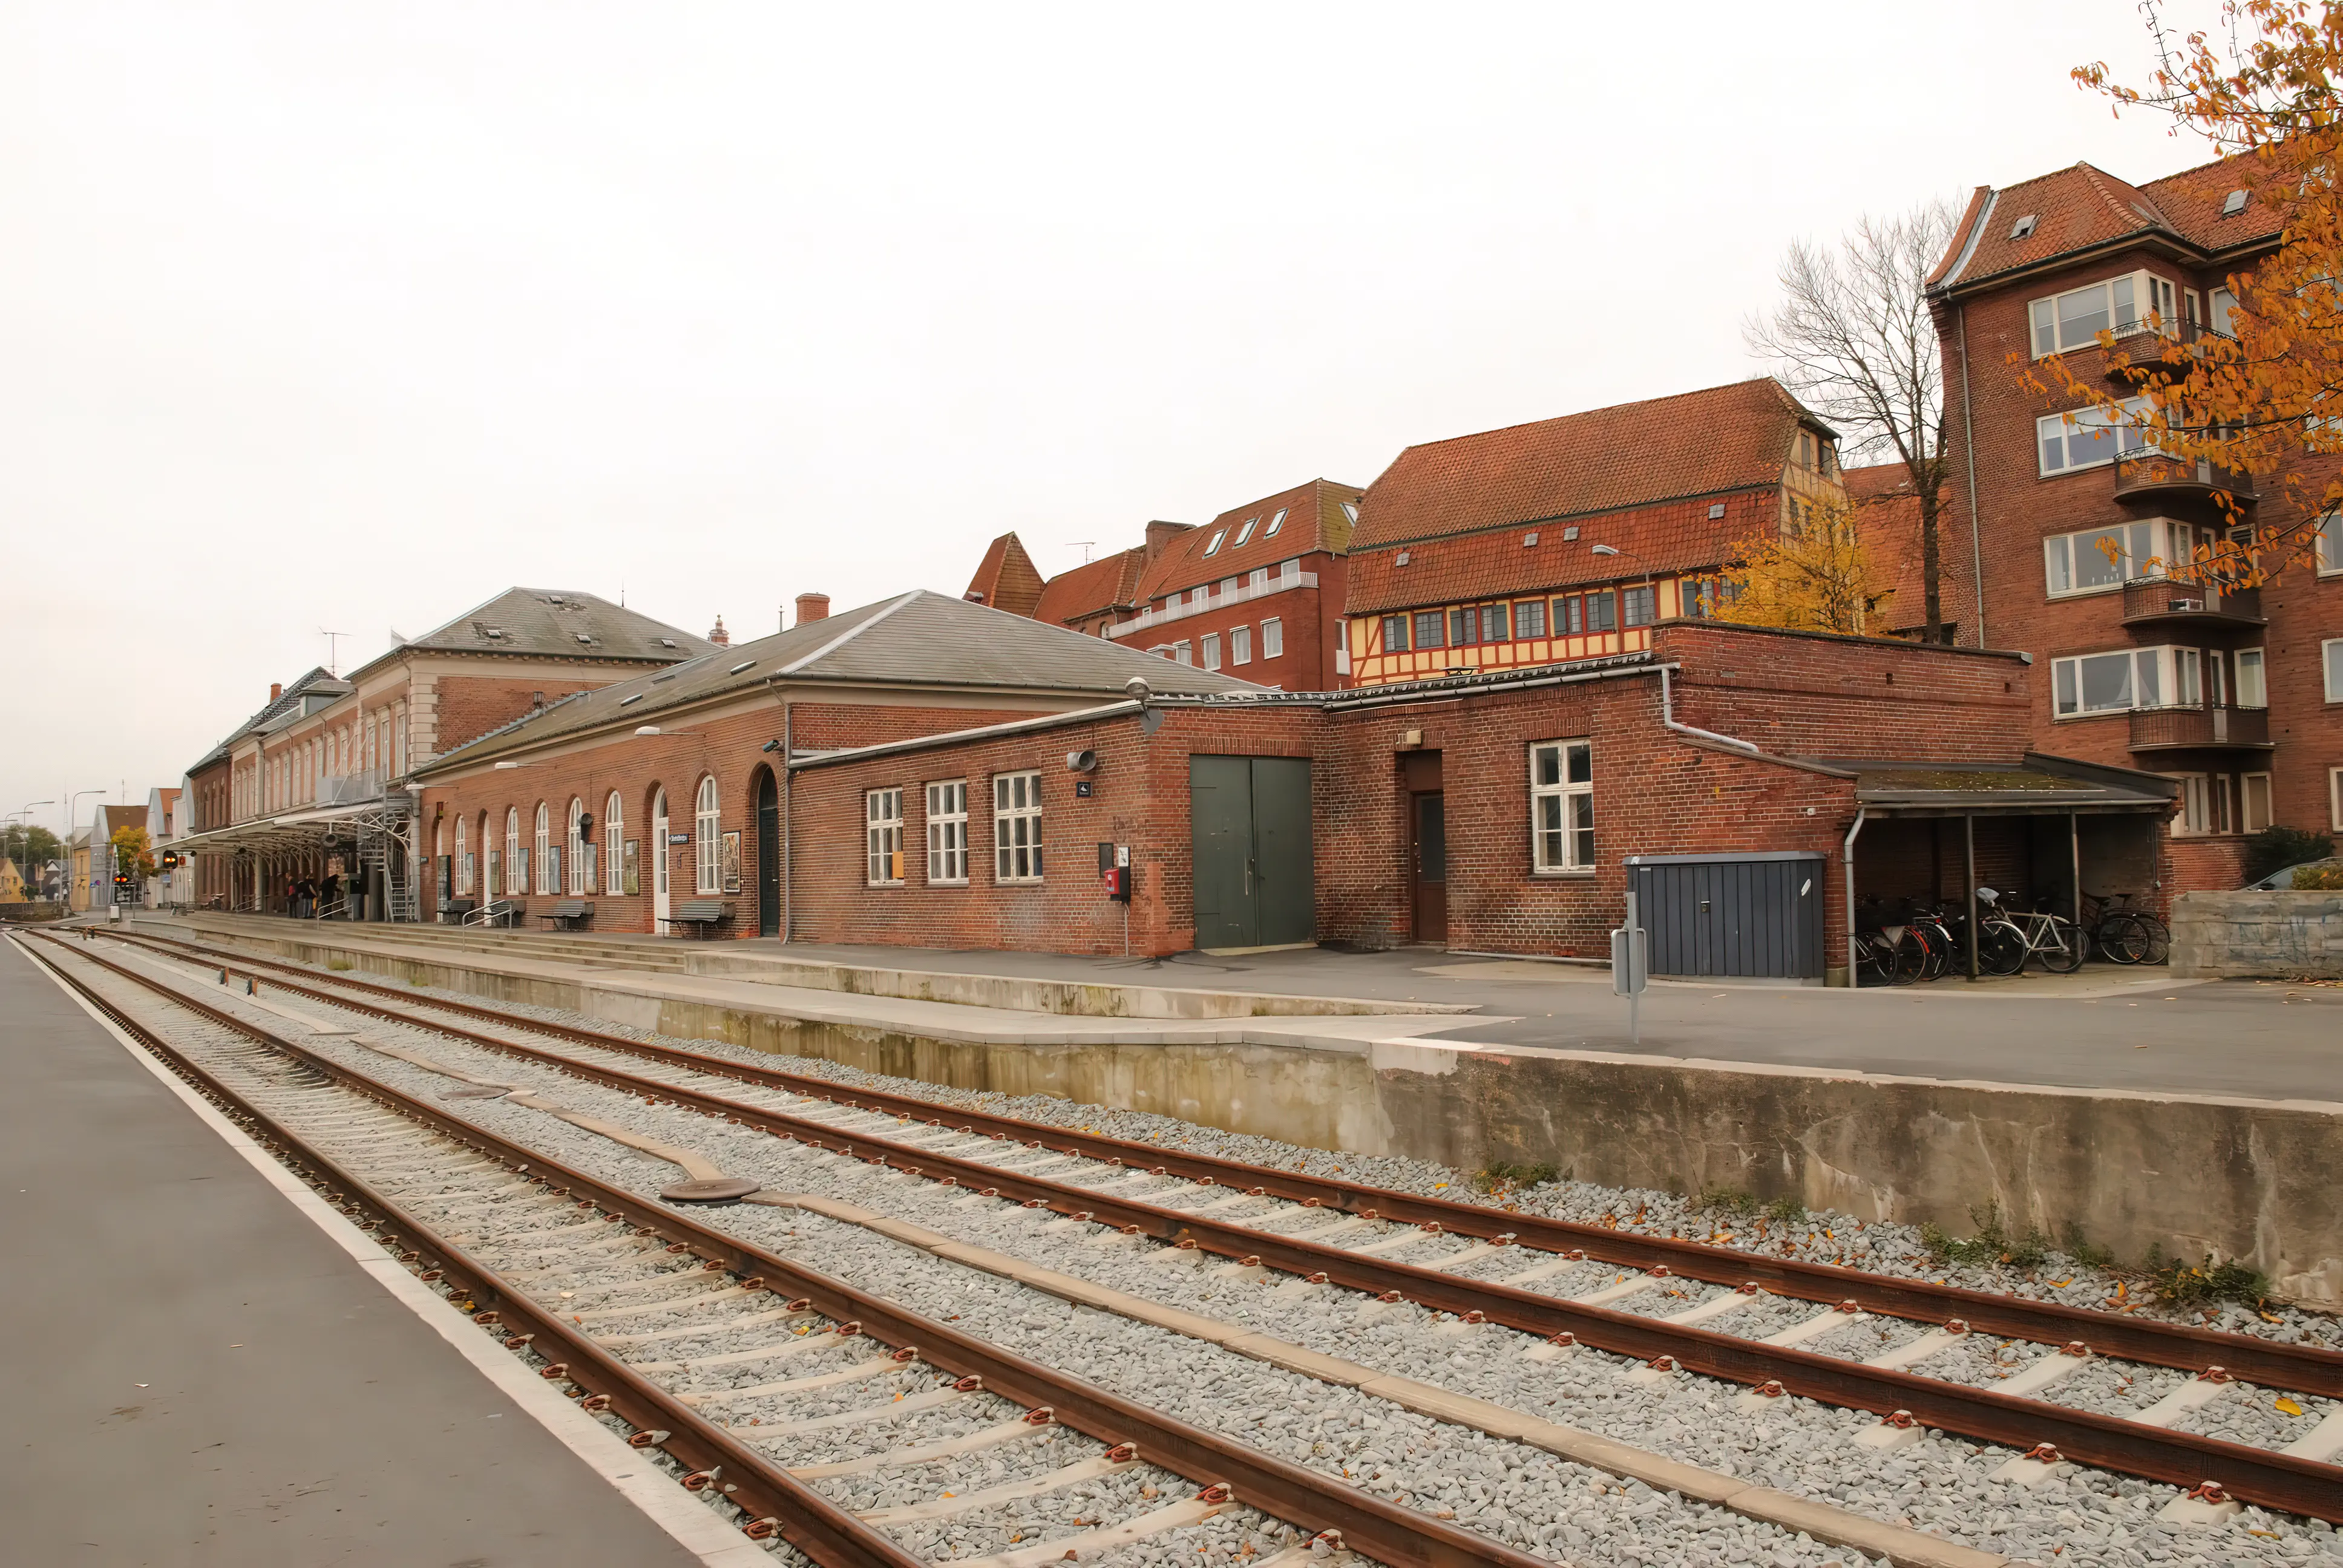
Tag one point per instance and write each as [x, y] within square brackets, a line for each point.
[2063, 322]
[1212, 644]
[707, 840]
[573, 855]
[2334, 799]
[1213, 548]
[463, 862]
[1258, 578]
[543, 845]
[1017, 826]
[2330, 658]
[1181, 653]
[1272, 638]
[1638, 606]
[2088, 437]
[1228, 589]
[516, 881]
[948, 831]
[613, 882]
[2329, 545]
[882, 836]
[1562, 806]
[2253, 685]
[2119, 681]
[1290, 571]
[2079, 563]
[1275, 523]
[2195, 805]
[2254, 802]
[1241, 644]
[2225, 304]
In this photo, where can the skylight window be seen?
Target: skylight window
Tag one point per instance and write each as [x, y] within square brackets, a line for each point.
[1275, 523]
[637, 696]
[1213, 548]
[1246, 532]
[2233, 204]
[2023, 228]
[667, 642]
[494, 633]
[739, 666]
[583, 638]
[1351, 510]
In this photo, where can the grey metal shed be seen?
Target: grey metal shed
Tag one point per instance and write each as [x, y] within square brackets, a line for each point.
[1757, 915]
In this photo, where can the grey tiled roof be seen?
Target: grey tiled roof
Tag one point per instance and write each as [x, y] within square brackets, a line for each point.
[562, 623]
[918, 639]
[319, 680]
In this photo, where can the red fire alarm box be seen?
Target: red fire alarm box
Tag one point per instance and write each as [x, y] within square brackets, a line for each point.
[1118, 883]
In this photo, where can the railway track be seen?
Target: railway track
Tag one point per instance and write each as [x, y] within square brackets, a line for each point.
[1290, 1223]
[621, 1301]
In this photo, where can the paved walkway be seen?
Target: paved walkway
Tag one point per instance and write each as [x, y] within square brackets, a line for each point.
[199, 1374]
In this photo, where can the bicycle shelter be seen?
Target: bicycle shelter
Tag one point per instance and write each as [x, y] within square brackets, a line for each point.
[2045, 830]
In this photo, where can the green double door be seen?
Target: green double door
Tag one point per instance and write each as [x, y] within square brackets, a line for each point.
[1251, 821]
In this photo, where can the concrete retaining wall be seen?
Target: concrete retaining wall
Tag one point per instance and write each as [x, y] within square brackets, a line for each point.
[2280, 935]
[2250, 1179]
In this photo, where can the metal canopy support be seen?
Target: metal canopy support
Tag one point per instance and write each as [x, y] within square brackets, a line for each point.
[1968, 876]
[2074, 855]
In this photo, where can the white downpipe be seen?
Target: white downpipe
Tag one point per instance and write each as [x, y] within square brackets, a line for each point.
[1668, 718]
[1846, 861]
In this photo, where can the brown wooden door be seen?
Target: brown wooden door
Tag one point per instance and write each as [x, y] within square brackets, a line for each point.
[1428, 865]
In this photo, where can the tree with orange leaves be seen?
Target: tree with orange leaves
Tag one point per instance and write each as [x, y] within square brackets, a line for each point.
[2262, 393]
[1817, 574]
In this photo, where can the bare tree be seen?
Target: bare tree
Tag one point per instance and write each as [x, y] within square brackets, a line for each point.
[1854, 339]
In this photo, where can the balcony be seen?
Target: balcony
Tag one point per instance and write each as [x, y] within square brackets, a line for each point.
[2200, 725]
[2153, 477]
[2173, 601]
[2144, 346]
[349, 788]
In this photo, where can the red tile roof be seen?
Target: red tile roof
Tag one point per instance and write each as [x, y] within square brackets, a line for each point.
[2078, 209]
[1093, 588]
[1314, 519]
[1640, 476]
[1006, 578]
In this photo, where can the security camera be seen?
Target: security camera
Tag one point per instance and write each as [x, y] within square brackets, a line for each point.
[1082, 761]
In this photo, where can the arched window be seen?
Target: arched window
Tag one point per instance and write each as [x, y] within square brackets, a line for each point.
[573, 855]
[463, 863]
[514, 881]
[544, 851]
[706, 838]
[612, 882]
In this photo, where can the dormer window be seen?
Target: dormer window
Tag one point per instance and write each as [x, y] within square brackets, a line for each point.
[1245, 532]
[1275, 523]
[2233, 204]
[1214, 548]
[2023, 228]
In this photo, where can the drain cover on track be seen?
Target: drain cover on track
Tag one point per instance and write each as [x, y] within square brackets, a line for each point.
[715, 1190]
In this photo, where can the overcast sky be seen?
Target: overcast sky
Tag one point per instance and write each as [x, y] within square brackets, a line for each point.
[350, 317]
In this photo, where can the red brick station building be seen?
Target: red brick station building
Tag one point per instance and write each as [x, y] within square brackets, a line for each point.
[1472, 704]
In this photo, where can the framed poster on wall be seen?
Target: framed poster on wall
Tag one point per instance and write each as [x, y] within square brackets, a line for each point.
[631, 869]
[586, 858]
[733, 862]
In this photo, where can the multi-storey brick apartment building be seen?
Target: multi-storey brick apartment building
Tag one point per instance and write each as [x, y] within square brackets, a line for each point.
[1257, 591]
[2236, 694]
[1570, 537]
[316, 781]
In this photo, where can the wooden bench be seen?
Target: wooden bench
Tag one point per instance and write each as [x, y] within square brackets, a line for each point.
[455, 911]
[568, 915]
[701, 916]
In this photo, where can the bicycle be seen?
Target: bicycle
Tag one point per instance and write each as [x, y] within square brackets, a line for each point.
[1891, 954]
[2128, 936]
[2010, 937]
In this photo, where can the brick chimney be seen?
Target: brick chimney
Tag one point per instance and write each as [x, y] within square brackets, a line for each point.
[275, 690]
[719, 636]
[1161, 533]
[813, 606]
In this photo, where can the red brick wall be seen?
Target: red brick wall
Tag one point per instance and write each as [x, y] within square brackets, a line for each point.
[1309, 617]
[2016, 509]
[637, 767]
[469, 705]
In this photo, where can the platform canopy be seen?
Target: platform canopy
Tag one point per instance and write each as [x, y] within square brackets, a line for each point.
[300, 832]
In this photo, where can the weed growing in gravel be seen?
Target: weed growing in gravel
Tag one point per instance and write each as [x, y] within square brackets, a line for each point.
[2184, 1286]
[1500, 1177]
[340, 966]
[2089, 1254]
[1738, 1201]
[1993, 1243]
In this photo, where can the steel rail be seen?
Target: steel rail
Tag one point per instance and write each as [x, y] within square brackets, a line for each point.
[2305, 1369]
[775, 1501]
[2274, 1480]
[1384, 1531]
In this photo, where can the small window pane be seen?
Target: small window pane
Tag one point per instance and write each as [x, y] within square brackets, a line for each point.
[1602, 612]
[1642, 605]
[1492, 624]
[1464, 629]
[1428, 630]
[1569, 617]
[1394, 634]
[1529, 619]
[2107, 682]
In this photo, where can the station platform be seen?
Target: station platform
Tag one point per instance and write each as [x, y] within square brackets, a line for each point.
[202, 1374]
